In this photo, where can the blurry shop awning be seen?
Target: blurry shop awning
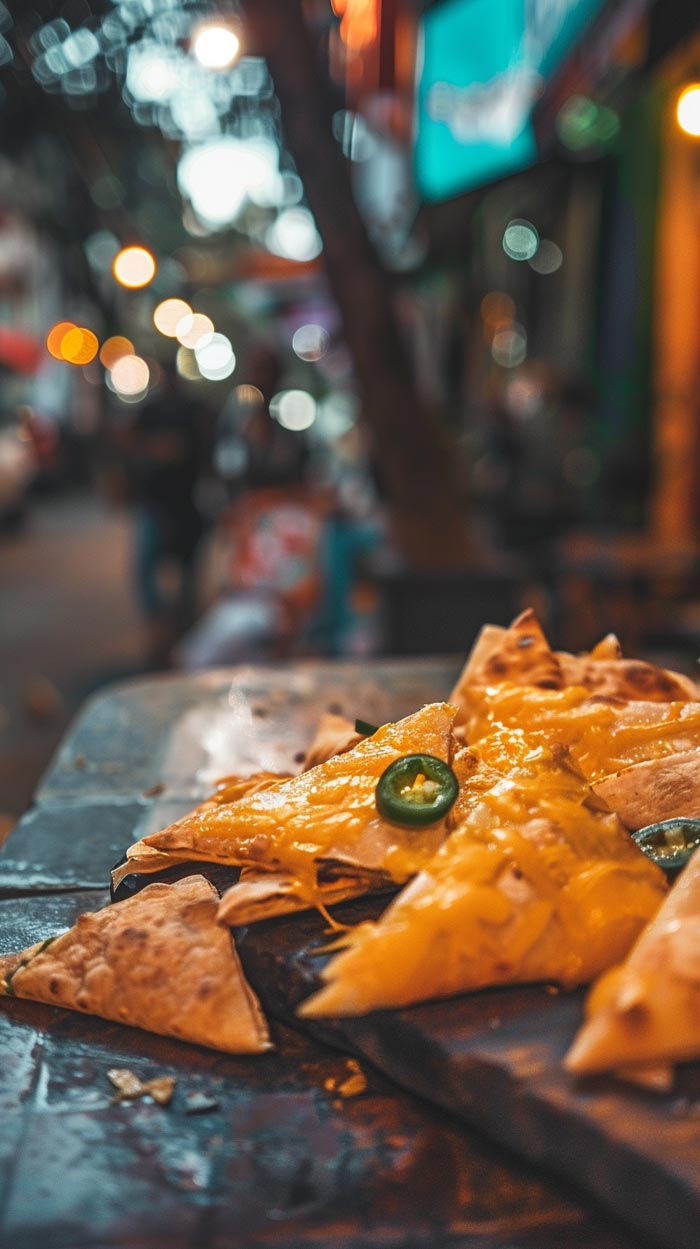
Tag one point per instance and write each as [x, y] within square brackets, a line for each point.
[483, 67]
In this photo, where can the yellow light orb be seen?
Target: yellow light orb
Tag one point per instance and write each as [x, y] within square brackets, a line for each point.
[186, 364]
[130, 375]
[55, 337]
[114, 348]
[134, 267]
[79, 345]
[216, 46]
[168, 315]
[688, 110]
[192, 328]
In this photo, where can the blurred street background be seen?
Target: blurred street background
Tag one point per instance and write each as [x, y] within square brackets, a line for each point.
[339, 328]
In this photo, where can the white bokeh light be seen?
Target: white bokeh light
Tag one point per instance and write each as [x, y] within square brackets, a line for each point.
[218, 176]
[310, 342]
[152, 73]
[216, 46]
[294, 409]
[215, 357]
[130, 376]
[294, 235]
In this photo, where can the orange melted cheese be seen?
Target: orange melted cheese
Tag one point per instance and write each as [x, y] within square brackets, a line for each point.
[531, 884]
[328, 812]
[600, 735]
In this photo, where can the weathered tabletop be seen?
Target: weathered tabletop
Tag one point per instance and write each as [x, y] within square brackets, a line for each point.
[277, 1159]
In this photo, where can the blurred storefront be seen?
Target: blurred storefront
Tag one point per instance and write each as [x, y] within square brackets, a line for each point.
[530, 205]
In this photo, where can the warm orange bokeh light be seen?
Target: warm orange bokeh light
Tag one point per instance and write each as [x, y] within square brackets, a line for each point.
[134, 267]
[359, 22]
[114, 348]
[79, 345]
[55, 337]
[497, 307]
[168, 315]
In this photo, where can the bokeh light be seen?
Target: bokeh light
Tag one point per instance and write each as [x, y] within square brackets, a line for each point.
[168, 315]
[216, 46]
[547, 259]
[310, 342]
[294, 409]
[215, 357]
[134, 267]
[193, 327]
[114, 348]
[219, 175]
[497, 311]
[55, 337]
[247, 396]
[509, 347]
[688, 110]
[585, 127]
[130, 376]
[79, 345]
[186, 364]
[294, 235]
[520, 240]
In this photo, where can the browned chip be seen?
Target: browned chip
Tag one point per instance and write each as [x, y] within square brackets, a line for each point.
[520, 654]
[334, 735]
[657, 789]
[158, 961]
[632, 679]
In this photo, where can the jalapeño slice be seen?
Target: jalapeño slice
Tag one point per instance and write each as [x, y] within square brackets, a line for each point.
[416, 790]
[364, 727]
[670, 843]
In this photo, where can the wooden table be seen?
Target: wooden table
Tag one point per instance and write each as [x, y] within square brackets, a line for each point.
[275, 1159]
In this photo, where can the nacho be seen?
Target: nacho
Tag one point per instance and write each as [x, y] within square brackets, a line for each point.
[654, 790]
[327, 813]
[645, 1012]
[530, 885]
[334, 735]
[262, 895]
[520, 655]
[157, 961]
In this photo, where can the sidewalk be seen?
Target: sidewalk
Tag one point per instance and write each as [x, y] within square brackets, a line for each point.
[67, 626]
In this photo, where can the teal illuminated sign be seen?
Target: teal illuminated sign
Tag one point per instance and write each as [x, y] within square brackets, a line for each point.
[482, 66]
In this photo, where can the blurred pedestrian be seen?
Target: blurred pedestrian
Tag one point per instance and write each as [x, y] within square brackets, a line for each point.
[164, 448]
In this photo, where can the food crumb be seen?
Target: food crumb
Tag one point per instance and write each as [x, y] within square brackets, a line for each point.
[154, 790]
[200, 1103]
[129, 1087]
[351, 1085]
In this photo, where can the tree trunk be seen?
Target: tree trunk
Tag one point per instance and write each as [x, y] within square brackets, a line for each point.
[417, 460]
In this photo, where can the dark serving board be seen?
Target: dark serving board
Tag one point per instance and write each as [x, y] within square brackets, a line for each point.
[278, 1159]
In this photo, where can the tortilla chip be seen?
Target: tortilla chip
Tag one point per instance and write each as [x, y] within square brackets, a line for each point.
[520, 655]
[266, 895]
[334, 735]
[607, 648]
[655, 790]
[328, 812]
[646, 1011]
[631, 679]
[157, 961]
